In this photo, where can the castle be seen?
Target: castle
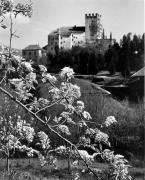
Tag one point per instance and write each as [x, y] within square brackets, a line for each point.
[92, 34]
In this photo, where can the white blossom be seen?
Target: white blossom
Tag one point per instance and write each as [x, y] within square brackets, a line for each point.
[86, 115]
[80, 106]
[13, 142]
[80, 103]
[44, 139]
[43, 68]
[110, 120]
[64, 129]
[27, 65]
[61, 149]
[31, 77]
[48, 77]
[102, 137]
[84, 155]
[67, 73]
[42, 159]
[55, 93]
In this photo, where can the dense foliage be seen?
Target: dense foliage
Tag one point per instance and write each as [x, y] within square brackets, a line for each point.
[124, 57]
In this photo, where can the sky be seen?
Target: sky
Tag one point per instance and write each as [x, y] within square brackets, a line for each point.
[118, 16]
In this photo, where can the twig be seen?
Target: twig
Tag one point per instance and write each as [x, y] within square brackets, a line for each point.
[48, 126]
[49, 106]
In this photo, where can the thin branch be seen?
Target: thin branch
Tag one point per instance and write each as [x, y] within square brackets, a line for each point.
[48, 126]
[49, 106]
[2, 80]
[11, 34]
[58, 124]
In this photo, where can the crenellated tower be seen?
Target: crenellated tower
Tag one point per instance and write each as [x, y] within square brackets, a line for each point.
[93, 27]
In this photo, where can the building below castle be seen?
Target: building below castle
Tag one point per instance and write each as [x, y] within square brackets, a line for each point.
[91, 34]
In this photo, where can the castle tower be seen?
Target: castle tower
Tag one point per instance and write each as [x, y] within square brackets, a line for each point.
[93, 27]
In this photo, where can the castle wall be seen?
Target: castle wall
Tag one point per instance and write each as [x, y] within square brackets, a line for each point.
[77, 39]
[64, 42]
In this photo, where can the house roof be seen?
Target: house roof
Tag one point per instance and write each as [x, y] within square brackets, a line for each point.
[32, 47]
[65, 31]
[78, 28]
[139, 73]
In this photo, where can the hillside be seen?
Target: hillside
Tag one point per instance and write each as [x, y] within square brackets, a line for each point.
[126, 136]
[94, 97]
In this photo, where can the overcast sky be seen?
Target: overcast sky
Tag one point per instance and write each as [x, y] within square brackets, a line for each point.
[118, 17]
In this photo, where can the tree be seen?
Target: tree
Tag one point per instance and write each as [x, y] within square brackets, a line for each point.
[67, 95]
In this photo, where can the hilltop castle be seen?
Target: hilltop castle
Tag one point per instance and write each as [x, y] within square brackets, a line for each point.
[92, 34]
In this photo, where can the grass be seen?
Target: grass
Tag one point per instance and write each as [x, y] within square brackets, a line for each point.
[30, 168]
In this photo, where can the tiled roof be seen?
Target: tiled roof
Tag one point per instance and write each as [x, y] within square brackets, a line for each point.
[66, 31]
[78, 28]
[32, 47]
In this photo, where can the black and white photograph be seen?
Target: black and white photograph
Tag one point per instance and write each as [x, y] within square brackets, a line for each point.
[72, 90]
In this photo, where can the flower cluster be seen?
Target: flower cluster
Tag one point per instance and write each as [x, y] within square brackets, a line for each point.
[13, 142]
[67, 73]
[37, 104]
[64, 129]
[85, 156]
[25, 130]
[48, 78]
[86, 115]
[70, 91]
[119, 164]
[109, 121]
[44, 139]
[80, 106]
[43, 69]
[102, 137]
[27, 66]
[61, 149]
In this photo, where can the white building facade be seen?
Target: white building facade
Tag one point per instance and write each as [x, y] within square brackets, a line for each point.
[91, 34]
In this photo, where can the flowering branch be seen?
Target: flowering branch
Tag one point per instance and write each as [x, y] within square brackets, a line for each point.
[49, 127]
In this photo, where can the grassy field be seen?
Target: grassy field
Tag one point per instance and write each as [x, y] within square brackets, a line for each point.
[30, 169]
